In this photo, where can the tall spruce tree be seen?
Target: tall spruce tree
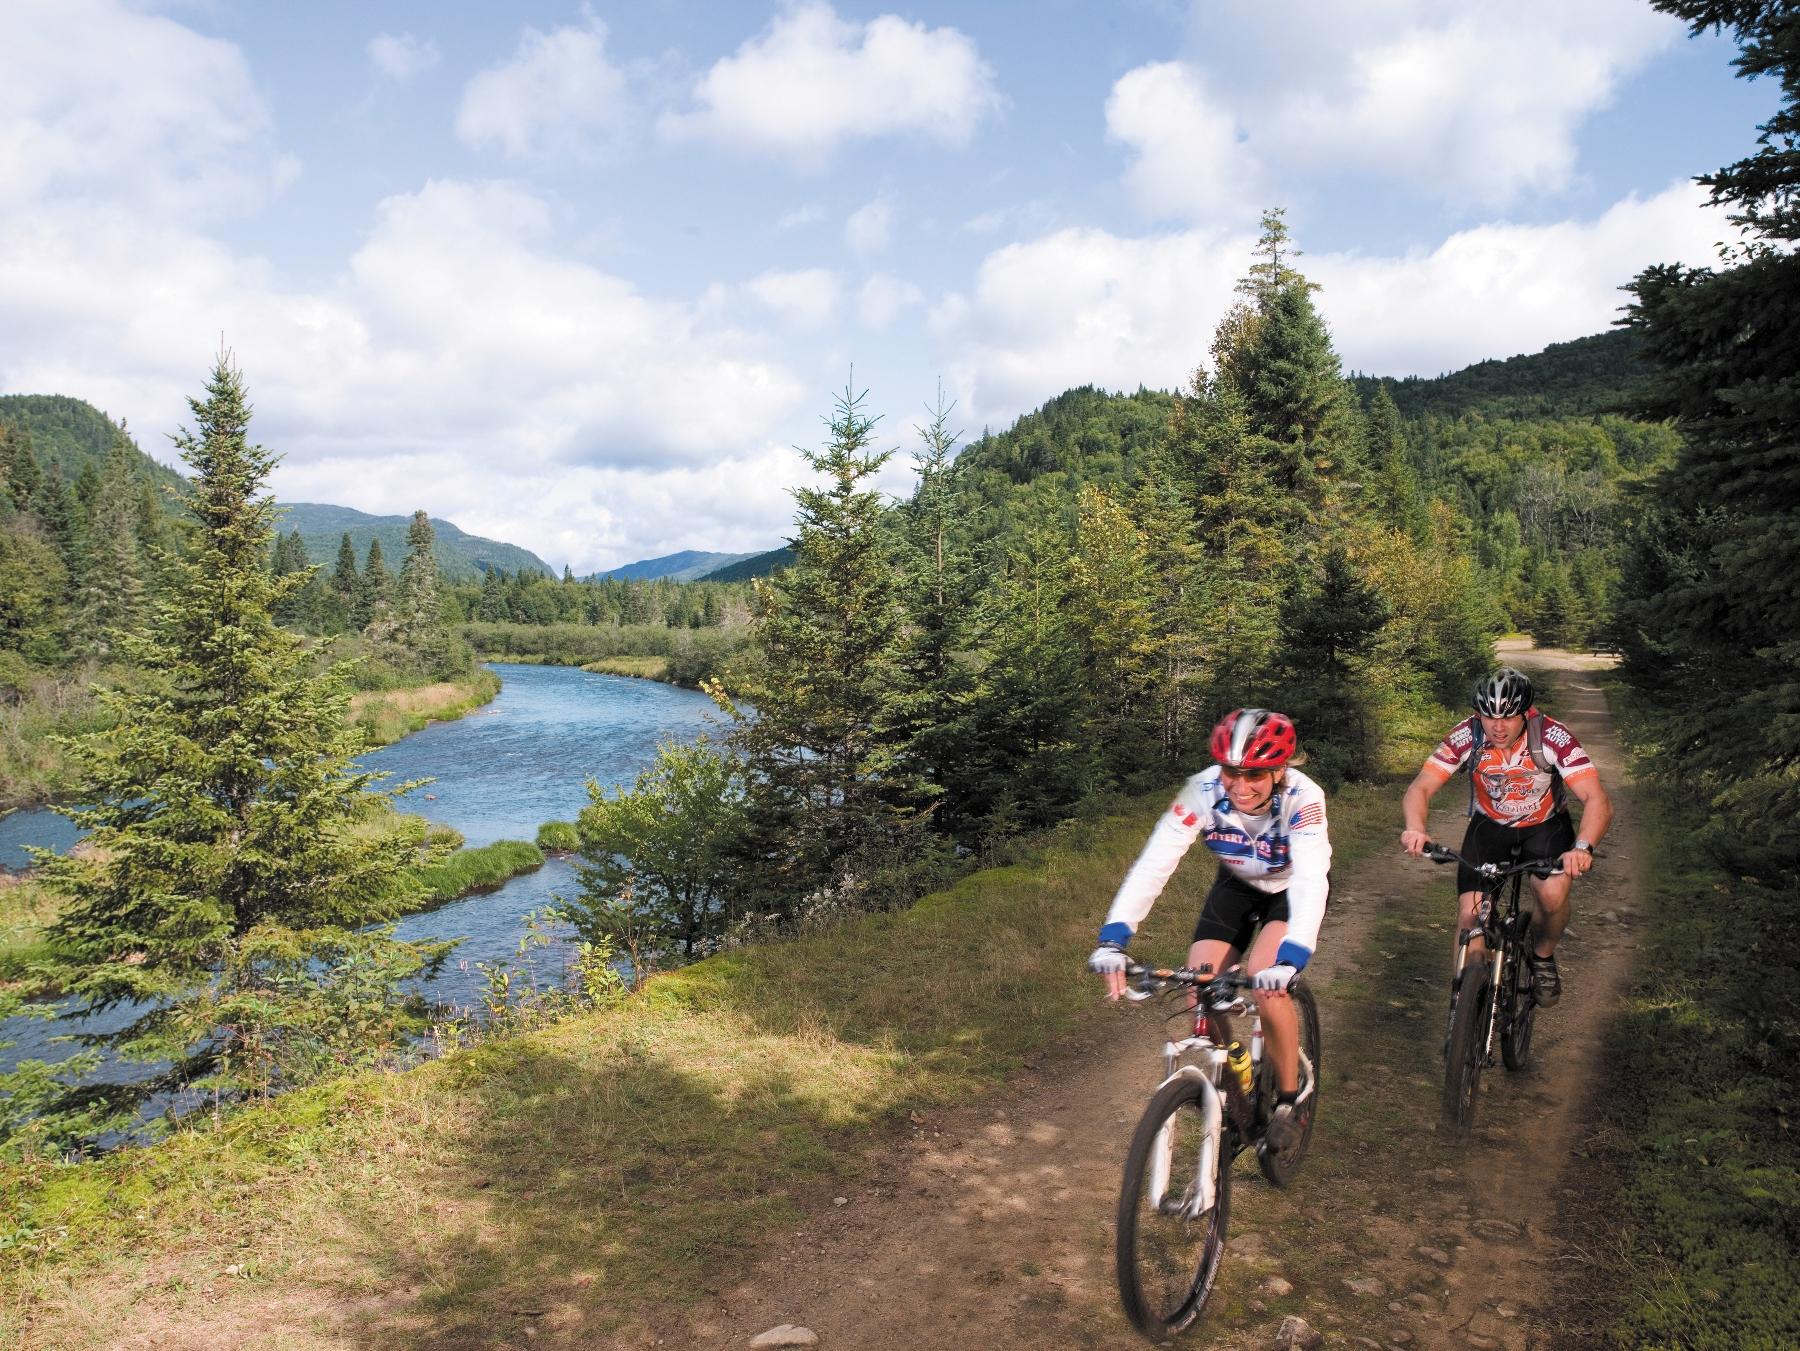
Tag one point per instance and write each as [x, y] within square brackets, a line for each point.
[1162, 510]
[54, 506]
[374, 590]
[222, 916]
[1707, 615]
[1027, 762]
[1392, 490]
[831, 794]
[1110, 608]
[1244, 524]
[1329, 624]
[1280, 360]
[289, 559]
[419, 608]
[23, 473]
[938, 585]
[345, 580]
[114, 603]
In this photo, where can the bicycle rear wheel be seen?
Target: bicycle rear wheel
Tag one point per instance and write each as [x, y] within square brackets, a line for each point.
[1520, 1006]
[1280, 1167]
[1168, 1257]
[1468, 1046]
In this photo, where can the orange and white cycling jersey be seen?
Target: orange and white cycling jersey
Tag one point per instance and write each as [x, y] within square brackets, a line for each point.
[1508, 785]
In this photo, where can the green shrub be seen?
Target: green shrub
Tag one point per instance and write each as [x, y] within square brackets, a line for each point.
[481, 869]
[558, 835]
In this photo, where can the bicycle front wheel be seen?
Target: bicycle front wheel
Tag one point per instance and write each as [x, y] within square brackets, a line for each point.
[1519, 1004]
[1467, 1051]
[1169, 1239]
[1280, 1167]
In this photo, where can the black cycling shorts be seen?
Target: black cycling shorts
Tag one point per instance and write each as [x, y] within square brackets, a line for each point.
[1234, 908]
[1489, 841]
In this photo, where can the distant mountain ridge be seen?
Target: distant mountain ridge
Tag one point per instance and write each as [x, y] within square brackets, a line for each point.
[322, 526]
[74, 435]
[753, 565]
[687, 566]
[1598, 374]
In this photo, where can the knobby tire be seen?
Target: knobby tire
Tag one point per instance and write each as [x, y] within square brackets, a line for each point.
[1280, 1168]
[1520, 1009]
[1167, 1263]
[1468, 1046]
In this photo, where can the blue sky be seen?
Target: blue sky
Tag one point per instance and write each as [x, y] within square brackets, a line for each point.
[581, 276]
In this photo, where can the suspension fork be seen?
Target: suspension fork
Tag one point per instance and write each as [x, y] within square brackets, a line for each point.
[1212, 1144]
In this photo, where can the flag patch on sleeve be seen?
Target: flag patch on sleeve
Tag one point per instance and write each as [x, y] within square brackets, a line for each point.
[1312, 814]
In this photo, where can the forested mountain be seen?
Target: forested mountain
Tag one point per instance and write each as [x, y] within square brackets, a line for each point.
[756, 565]
[687, 566]
[1529, 454]
[74, 435]
[1600, 374]
[1083, 435]
[461, 555]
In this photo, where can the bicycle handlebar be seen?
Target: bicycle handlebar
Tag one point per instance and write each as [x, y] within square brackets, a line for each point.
[1538, 867]
[1215, 988]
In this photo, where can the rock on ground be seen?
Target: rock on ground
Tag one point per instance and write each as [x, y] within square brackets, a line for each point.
[786, 1334]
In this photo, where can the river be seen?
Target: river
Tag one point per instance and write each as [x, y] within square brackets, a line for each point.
[498, 773]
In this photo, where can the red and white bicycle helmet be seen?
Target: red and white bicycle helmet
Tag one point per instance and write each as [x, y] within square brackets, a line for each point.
[1254, 738]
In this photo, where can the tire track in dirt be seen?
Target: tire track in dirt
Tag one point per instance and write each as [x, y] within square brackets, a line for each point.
[1531, 1126]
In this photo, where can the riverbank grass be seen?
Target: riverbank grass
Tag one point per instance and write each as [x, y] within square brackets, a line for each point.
[608, 1163]
[26, 908]
[482, 868]
[561, 837]
[645, 668]
[387, 715]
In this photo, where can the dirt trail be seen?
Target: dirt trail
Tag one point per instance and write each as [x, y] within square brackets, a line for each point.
[991, 1226]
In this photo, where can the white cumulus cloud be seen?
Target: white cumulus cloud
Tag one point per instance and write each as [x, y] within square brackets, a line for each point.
[814, 81]
[401, 56]
[559, 94]
[1089, 306]
[1476, 104]
[1479, 102]
[1191, 161]
[882, 299]
[807, 298]
[105, 102]
[870, 227]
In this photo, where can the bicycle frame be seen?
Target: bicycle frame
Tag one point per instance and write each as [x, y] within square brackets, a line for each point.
[1502, 937]
[1202, 1057]
[1498, 1016]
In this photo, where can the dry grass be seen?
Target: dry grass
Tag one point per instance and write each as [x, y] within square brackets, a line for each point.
[592, 1169]
[647, 668]
[388, 715]
[26, 907]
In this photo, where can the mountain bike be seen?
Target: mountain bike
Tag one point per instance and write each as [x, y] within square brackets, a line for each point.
[1491, 999]
[1215, 1100]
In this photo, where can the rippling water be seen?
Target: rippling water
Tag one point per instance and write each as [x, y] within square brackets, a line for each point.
[498, 773]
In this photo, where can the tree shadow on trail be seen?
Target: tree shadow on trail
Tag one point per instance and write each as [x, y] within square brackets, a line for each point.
[618, 1163]
[588, 1178]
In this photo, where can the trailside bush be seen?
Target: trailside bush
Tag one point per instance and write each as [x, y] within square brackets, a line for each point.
[558, 835]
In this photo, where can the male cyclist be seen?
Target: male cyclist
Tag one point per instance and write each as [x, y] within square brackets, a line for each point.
[1518, 762]
[1266, 823]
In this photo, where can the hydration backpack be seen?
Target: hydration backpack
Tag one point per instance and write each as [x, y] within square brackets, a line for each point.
[1534, 743]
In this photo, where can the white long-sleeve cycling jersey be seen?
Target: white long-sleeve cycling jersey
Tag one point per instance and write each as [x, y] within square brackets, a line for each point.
[1285, 848]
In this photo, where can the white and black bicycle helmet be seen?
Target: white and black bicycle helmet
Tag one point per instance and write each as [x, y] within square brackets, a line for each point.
[1504, 694]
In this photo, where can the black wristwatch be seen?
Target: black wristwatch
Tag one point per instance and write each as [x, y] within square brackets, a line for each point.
[1584, 846]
